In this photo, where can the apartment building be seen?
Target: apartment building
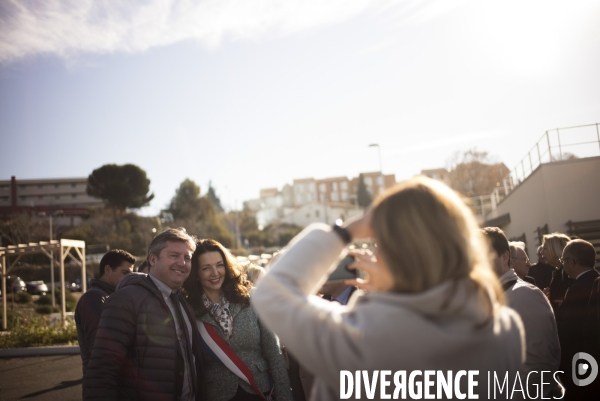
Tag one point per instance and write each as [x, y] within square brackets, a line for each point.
[308, 199]
[46, 195]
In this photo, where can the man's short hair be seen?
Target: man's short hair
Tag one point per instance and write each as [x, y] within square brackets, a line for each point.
[170, 234]
[498, 240]
[114, 258]
[582, 252]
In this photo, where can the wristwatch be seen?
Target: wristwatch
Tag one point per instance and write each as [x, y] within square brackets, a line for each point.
[342, 233]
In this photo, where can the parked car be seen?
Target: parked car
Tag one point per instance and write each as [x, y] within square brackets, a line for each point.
[37, 287]
[74, 286]
[15, 284]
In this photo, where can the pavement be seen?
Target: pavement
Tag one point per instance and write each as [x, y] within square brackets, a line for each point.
[40, 374]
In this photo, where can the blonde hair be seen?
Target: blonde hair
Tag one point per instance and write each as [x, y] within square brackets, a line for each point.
[426, 235]
[555, 243]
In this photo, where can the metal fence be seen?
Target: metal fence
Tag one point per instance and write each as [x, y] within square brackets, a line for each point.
[556, 144]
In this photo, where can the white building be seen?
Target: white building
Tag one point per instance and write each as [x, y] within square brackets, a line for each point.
[320, 212]
[298, 203]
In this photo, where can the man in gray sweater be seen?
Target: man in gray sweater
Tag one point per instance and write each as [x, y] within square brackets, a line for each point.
[541, 334]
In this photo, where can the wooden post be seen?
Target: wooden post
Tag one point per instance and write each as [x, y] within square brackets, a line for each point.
[4, 320]
[62, 282]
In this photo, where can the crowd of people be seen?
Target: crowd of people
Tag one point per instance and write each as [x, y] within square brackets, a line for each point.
[438, 294]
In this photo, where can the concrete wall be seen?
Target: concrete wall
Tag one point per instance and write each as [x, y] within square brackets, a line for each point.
[553, 194]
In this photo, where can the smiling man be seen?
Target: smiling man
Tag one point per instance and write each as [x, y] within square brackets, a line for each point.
[145, 345]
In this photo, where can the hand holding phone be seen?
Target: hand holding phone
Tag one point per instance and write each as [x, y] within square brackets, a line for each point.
[342, 272]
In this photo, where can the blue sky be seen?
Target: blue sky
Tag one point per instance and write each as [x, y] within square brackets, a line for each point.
[252, 94]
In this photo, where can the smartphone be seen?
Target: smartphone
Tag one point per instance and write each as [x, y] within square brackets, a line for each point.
[342, 272]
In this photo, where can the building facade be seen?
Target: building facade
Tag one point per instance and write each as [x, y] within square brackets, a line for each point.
[310, 200]
[67, 196]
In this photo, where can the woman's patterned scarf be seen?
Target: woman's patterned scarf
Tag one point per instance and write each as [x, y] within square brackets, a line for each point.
[220, 312]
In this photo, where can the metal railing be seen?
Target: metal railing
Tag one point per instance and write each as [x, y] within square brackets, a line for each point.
[581, 143]
[584, 142]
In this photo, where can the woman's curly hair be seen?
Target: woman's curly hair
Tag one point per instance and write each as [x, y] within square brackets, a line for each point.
[236, 286]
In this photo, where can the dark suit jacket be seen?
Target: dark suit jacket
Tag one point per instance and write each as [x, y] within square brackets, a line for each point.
[542, 273]
[558, 287]
[592, 327]
[572, 324]
[575, 310]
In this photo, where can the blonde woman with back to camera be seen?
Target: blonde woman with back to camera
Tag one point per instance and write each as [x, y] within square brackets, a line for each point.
[433, 301]
[552, 248]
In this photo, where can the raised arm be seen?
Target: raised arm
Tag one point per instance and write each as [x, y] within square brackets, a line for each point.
[318, 332]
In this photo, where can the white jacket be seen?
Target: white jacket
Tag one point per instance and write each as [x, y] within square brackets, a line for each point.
[379, 331]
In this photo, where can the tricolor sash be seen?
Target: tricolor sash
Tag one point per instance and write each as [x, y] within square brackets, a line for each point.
[214, 346]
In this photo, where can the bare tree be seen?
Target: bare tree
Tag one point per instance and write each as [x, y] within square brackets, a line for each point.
[474, 172]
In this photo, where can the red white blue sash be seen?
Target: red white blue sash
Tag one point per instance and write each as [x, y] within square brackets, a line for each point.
[214, 346]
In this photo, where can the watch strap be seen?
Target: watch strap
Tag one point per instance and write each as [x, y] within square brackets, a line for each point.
[342, 233]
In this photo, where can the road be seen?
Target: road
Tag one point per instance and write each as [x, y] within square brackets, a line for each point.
[41, 378]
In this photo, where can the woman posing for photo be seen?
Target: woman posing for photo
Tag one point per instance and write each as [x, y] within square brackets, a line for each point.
[219, 292]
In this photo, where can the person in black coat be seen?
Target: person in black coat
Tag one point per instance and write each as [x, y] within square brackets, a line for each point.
[114, 265]
[552, 248]
[578, 259]
[541, 271]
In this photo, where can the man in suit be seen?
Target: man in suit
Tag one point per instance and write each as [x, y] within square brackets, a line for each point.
[578, 259]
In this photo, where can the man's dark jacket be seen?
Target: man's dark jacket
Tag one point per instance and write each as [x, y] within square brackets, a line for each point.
[87, 316]
[572, 322]
[136, 354]
[559, 285]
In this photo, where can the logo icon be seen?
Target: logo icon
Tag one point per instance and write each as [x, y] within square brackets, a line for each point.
[580, 368]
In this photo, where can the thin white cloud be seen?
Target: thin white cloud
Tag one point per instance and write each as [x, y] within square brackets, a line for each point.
[71, 27]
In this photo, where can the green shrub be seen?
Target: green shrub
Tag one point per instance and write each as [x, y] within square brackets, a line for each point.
[70, 303]
[22, 297]
[44, 300]
[39, 333]
[46, 309]
[69, 297]
[12, 318]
